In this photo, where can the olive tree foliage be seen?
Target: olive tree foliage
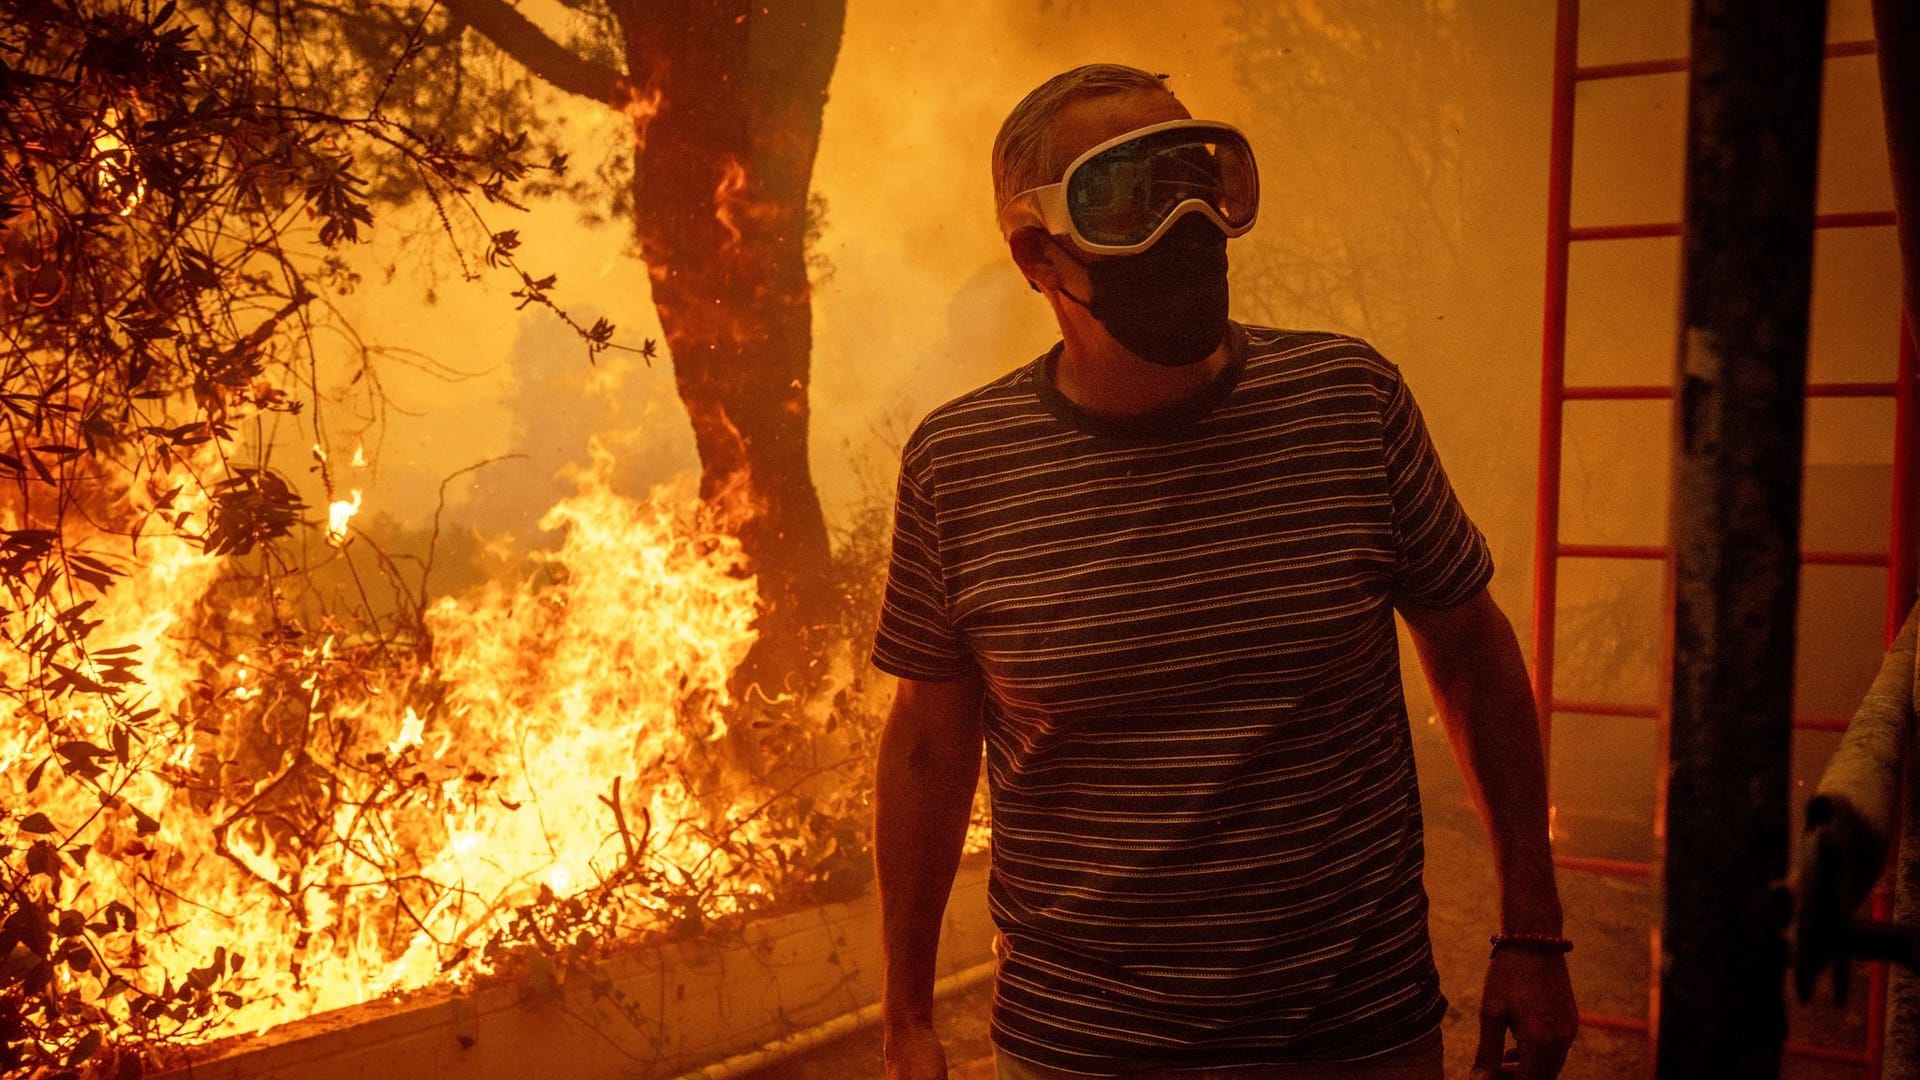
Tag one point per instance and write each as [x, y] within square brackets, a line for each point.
[170, 222]
[720, 102]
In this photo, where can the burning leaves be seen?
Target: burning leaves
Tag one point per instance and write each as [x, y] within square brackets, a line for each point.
[227, 803]
[550, 766]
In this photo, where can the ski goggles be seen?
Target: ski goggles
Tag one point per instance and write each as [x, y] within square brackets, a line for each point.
[1120, 197]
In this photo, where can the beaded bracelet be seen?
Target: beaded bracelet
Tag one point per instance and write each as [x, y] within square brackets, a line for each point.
[1547, 943]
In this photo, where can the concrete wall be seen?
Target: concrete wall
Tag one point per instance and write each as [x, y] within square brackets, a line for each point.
[654, 1013]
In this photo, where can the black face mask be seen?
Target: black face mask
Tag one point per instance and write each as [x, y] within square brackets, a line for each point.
[1168, 304]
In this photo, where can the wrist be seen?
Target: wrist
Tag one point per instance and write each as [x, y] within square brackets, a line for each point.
[905, 1038]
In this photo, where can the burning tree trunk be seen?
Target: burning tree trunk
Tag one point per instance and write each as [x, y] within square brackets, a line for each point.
[720, 206]
[726, 101]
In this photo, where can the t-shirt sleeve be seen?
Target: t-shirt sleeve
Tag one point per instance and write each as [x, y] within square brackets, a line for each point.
[916, 638]
[1440, 557]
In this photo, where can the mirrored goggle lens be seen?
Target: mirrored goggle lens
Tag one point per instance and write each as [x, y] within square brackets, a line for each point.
[1122, 195]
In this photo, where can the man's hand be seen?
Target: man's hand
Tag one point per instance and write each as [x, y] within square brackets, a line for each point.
[1529, 994]
[914, 1053]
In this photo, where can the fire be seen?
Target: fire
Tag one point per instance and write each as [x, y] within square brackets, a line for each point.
[328, 818]
[735, 208]
[729, 199]
[641, 107]
[339, 513]
[115, 172]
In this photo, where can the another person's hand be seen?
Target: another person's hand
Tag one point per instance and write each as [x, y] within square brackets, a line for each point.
[1839, 859]
[914, 1053]
[1529, 994]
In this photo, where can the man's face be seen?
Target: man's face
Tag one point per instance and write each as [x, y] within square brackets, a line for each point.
[1166, 305]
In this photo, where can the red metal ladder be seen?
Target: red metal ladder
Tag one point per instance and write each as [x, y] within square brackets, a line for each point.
[1550, 548]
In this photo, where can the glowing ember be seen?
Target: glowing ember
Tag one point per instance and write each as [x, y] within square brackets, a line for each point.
[115, 172]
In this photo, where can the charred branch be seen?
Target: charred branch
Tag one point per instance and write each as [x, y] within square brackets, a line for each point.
[518, 37]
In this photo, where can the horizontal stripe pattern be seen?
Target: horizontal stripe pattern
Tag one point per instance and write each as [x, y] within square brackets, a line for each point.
[1206, 846]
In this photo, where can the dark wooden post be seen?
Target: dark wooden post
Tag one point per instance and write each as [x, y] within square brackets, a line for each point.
[1752, 148]
[1897, 26]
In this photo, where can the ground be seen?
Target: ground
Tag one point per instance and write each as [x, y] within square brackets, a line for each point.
[1607, 917]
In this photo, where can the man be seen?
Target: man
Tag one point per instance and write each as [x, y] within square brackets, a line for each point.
[1155, 572]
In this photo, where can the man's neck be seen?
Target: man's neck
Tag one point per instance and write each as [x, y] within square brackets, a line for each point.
[1098, 374]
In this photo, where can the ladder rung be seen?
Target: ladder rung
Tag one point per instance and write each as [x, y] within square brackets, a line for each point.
[1630, 69]
[1610, 551]
[1815, 1052]
[1858, 219]
[1652, 712]
[1607, 708]
[1641, 231]
[1652, 230]
[1853, 389]
[1675, 65]
[1876, 559]
[1609, 867]
[1664, 393]
[1617, 393]
[1610, 1022]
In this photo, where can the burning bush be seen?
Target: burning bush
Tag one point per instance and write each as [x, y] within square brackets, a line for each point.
[224, 804]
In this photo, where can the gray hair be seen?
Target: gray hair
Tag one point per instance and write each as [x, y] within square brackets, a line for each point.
[1023, 152]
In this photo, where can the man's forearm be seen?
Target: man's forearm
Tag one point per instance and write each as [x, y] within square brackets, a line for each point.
[1480, 686]
[929, 765]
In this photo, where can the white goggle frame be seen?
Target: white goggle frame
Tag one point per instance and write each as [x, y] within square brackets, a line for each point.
[1045, 207]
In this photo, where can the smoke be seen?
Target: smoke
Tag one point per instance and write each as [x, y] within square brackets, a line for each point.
[1386, 141]
[1369, 119]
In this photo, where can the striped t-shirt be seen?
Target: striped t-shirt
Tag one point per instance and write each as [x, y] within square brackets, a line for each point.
[1206, 827]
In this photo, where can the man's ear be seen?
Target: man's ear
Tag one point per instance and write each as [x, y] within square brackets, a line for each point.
[1029, 247]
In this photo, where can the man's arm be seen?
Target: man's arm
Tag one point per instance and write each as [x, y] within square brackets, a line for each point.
[929, 764]
[1479, 683]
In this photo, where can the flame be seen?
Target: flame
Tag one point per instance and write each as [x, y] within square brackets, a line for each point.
[115, 171]
[641, 107]
[1553, 823]
[729, 200]
[555, 736]
[339, 513]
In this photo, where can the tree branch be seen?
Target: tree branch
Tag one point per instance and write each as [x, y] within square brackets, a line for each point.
[518, 37]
